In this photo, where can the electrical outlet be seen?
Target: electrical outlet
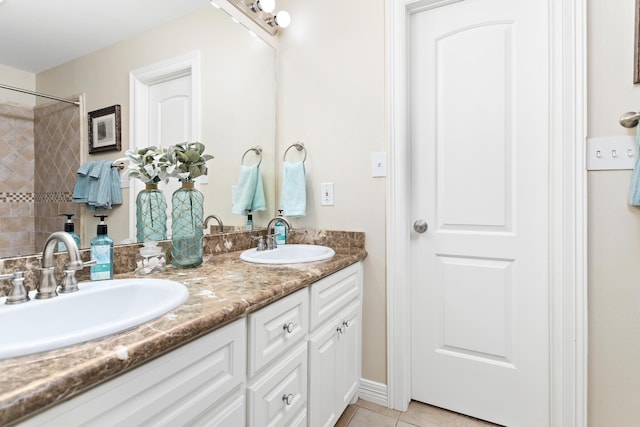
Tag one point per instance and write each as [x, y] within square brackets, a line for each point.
[326, 194]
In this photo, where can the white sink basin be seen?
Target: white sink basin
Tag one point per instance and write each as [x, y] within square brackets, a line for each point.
[97, 310]
[288, 254]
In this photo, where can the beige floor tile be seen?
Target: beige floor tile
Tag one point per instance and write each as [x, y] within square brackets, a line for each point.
[346, 416]
[366, 418]
[423, 415]
[378, 409]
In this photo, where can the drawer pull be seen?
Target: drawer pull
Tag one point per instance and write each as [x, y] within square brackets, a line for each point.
[341, 329]
[289, 327]
[288, 399]
[347, 323]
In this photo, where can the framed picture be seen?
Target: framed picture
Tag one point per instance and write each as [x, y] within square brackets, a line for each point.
[636, 46]
[104, 129]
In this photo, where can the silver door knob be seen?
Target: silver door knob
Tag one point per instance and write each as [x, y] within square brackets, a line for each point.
[420, 226]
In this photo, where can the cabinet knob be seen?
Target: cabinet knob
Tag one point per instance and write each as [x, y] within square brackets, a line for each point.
[288, 399]
[341, 329]
[289, 327]
[347, 323]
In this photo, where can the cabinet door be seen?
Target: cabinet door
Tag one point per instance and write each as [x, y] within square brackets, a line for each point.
[330, 295]
[277, 328]
[280, 393]
[323, 366]
[349, 355]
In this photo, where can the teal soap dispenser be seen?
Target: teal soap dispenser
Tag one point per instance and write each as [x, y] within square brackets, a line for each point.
[69, 228]
[280, 230]
[102, 252]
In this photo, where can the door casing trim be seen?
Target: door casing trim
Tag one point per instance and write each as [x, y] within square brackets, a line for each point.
[567, 211]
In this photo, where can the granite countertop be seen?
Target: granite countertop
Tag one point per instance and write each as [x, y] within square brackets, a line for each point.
[221, 290]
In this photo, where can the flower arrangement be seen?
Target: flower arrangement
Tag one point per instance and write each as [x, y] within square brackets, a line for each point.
[189, 160]
[150, 165]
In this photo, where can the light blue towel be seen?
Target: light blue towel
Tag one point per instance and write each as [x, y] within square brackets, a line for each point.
[80, 191]
[249, 195]
[293, 200]
[98, 185]
[634, 190]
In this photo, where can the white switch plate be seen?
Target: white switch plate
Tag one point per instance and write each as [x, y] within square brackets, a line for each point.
[610, 153]
[378, 164]
[326, 194]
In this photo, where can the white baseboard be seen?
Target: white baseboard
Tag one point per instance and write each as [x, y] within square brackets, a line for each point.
[373, 392]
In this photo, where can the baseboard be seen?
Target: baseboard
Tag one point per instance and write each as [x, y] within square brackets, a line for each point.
[373, 392]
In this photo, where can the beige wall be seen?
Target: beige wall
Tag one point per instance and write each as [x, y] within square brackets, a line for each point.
[331, 97]
[614, 226]
[17, 78]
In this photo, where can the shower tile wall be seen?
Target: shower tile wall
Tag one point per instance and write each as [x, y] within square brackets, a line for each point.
[57, 158]
[16, 180]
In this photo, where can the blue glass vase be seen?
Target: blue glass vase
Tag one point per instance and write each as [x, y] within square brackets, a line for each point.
[186, 226]
[151, 214]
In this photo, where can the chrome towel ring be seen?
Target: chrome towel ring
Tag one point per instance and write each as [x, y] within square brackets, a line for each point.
[257, 150]
[298, 146]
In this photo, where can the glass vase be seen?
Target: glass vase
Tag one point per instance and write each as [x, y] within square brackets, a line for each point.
[151, 215]
[186, 227]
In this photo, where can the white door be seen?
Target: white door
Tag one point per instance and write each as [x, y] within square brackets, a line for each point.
[479, 274]
[169, 118]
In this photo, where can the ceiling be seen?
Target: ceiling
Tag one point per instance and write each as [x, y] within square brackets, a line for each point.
[36, 35]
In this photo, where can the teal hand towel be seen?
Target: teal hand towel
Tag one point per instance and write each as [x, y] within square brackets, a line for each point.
[293, 199]
[634, 190]
[80, 190]
[103, 190]
[249, 195]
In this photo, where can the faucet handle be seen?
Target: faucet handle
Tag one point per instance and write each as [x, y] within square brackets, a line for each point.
[18, 292]
[261, 246]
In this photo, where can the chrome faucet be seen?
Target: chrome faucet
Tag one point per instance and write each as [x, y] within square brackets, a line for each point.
[217, 218]
[47, 284]
[281, 218]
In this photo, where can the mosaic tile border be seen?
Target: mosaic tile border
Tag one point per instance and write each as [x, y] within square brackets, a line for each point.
[9, 197]
[55, 197]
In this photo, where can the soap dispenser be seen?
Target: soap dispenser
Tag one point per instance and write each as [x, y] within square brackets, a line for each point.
[102, 252]
[249, 221]
[69, 228]
[280, 229]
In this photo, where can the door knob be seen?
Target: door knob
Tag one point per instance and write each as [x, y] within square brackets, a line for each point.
[420, 226]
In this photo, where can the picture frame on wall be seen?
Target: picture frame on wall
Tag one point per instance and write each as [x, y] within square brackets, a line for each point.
[104, 130]
[636, 46]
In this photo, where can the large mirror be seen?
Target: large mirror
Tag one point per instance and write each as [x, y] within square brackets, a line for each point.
[235, 73]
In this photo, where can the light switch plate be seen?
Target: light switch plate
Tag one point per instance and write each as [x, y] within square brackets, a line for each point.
[611, 153]
[378, 164]
[326, 194]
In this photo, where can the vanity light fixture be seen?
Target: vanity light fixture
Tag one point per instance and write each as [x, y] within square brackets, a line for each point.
[260, 12]
[266, 6]
[282, 19]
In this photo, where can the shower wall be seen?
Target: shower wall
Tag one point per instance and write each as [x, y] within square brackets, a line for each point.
[16, 180]
[39, 157]
[57, 158]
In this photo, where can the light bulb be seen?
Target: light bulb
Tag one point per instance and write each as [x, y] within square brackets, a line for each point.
[266, 6]
[283, 19]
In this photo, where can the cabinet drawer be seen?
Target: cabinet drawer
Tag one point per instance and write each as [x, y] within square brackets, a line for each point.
[333, 293]
[277, 396]
[277, 328]
[178, 388]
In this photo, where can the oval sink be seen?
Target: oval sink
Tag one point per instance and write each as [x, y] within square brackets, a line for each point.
[97, 310]
[288, 254]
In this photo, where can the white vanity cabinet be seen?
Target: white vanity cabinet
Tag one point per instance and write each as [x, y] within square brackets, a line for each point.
[293, 363]
[277, 362]
[200, 383]
[334, 345]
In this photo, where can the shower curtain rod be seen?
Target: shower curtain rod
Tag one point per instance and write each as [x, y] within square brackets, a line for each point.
[42, 95]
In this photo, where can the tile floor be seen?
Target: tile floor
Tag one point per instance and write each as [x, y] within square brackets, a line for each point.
[367, 414]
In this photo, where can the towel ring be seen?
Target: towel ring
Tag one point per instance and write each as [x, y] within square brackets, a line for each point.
[257, 150]
[119, 163]
[298, 146]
